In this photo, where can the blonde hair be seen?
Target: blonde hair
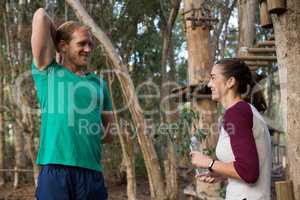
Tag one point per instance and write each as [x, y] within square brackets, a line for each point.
[64, 31]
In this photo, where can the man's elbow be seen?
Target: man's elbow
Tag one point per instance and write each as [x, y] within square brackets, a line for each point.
[39, 13]
[40, 19]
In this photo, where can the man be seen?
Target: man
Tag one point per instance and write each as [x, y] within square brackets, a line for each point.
[74, 106]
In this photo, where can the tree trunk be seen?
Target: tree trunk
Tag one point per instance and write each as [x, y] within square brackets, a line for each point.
[247, 10]
[127, 151]
[66, 11]
[199, 67]
[8, 41]
[2, 134]
[130, 168]
[168, 107]
[287, 29]
[167, 27]
[171, 175]
[223, 42]
[222, 26]
[156, 183]
[19, 150]
[19, 125]
[29, 134]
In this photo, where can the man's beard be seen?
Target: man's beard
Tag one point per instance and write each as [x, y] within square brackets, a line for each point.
[79, 66]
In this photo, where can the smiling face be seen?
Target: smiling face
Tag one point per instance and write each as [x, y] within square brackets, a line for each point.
[218, 83]
[77, 51]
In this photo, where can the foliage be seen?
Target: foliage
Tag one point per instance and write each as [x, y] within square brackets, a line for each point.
[180, 133]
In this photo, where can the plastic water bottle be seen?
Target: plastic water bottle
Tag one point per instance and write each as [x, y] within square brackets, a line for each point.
[194, 146]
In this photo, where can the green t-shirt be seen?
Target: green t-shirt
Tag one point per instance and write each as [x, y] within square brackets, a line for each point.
[71, 108]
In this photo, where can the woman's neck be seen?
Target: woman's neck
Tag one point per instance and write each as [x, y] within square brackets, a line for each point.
[230, 99]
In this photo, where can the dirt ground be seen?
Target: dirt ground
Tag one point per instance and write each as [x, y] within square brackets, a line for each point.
[115, 191]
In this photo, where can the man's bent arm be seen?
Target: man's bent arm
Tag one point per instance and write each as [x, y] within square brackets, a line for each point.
[42, 38]
[109, 125]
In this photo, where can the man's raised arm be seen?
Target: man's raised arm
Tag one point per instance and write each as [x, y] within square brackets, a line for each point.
[42, 39]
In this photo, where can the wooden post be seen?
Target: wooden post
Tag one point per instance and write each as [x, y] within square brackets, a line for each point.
[265, 18]
[258, 63]
[246, 24]
[284, 190]
[262, 50]
[259, 58]
[277, 6]
[266, 43]
[197, 42]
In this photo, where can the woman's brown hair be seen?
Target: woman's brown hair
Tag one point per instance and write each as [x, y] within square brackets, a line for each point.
[247, 87]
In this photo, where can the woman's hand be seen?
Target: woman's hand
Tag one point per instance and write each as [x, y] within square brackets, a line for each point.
[210, 177]
[200, 160]
[206, 177]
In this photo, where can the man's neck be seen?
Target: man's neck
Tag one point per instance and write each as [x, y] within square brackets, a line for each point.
[73, 68]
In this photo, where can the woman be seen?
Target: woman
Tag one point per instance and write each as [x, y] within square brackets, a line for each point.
[244, 146]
